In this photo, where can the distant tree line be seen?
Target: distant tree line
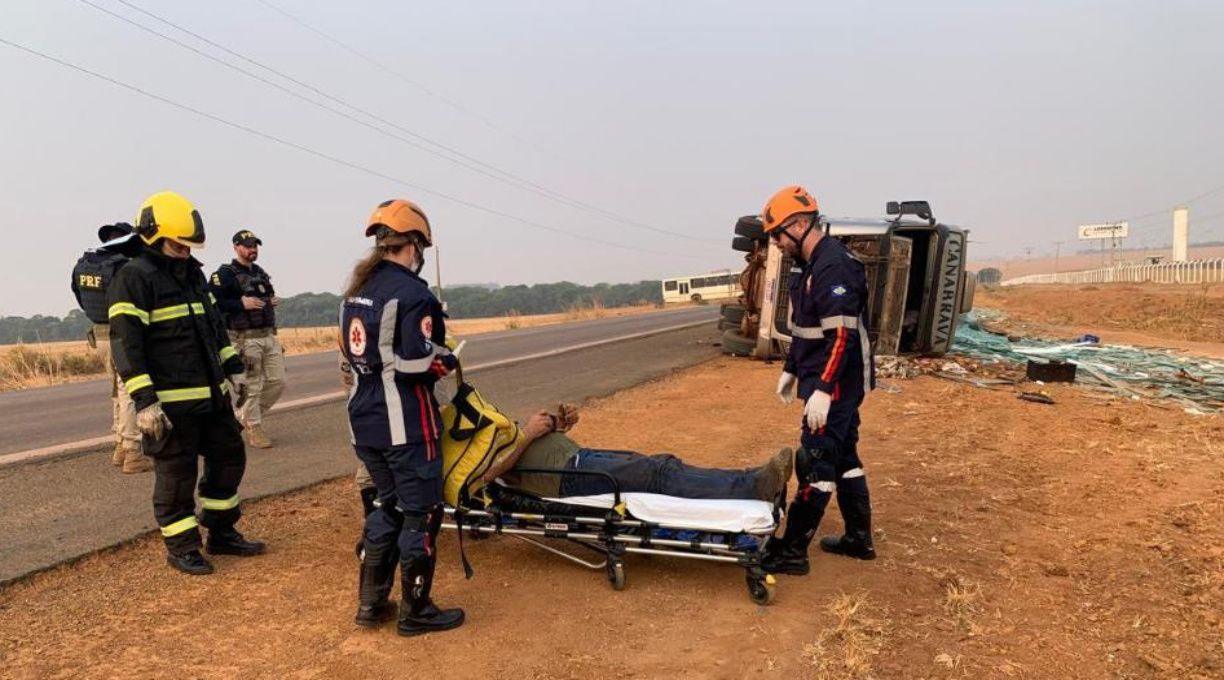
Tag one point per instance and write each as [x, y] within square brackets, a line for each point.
[320, 309]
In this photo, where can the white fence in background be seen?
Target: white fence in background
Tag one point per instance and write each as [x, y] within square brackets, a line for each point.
[1200, 271]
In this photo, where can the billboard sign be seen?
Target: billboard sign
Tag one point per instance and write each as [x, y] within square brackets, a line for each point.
[1092, 232]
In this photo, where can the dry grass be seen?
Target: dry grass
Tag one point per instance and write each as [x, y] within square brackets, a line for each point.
[846, 649]
[38, 365]
[581, 311]
[513, 320]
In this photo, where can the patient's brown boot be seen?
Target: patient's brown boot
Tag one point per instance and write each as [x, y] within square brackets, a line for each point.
[772, 477]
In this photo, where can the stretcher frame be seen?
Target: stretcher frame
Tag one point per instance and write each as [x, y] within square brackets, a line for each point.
[610, 533]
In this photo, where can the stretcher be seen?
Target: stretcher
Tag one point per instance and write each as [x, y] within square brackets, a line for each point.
[613, 525]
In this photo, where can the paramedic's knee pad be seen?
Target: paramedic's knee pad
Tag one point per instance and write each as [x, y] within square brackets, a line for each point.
[420, 528]
[815, 465]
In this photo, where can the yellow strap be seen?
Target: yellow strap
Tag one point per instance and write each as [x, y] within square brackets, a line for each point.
[185, 524]
[227, 353]
[128, 308]
[215, 504]
[139, 382]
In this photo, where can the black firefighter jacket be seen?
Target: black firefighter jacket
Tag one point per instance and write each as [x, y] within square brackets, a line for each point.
[168, 340]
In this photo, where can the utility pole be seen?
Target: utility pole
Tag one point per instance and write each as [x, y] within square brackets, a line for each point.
[438, 274]
[1057, 254]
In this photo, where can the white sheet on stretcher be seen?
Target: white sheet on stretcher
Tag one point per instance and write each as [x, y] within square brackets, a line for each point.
[705, 515]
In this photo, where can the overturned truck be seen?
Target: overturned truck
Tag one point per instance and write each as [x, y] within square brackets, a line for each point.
[916, 281]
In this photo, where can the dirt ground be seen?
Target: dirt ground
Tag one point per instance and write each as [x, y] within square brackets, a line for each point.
[1070, 261]
[1016, 540]
[1185, 317]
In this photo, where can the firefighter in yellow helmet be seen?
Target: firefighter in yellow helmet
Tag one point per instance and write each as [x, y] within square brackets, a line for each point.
[393, 336]
[831, 364]
[172, 352]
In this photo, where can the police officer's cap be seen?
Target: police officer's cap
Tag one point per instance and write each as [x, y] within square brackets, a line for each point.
[110, 232]
[247, 238]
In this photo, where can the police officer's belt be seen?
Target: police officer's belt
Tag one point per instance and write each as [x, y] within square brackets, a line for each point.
[252, 333]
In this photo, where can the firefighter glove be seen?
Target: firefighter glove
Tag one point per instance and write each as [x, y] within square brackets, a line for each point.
[238, 385]
[816, 411]
[786, 387]
[152, 422]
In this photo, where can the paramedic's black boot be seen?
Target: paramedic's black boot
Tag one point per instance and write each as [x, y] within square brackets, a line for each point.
[418, 614]
[770, 479]
[230, 542]
[856, 512]
[789, 555]
[377, 576]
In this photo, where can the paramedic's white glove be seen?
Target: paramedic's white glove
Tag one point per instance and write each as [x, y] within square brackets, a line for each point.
[786, 387]
[816, 411]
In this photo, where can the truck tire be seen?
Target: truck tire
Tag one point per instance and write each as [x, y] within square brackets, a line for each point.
[743, 244]
[733, 313]
[967, 295]
[750, 226]
[737, 345]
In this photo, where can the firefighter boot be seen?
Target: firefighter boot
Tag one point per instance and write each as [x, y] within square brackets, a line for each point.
[230, 542]
[190, 562]
[258, 438]
[789, 555]
[418, 614]
[377, 576]
[855, 507]
[134, 461]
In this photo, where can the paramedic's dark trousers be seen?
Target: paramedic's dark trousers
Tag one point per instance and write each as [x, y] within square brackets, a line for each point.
[834, 460]
[662, 474]
[215, 437]
[409, 483]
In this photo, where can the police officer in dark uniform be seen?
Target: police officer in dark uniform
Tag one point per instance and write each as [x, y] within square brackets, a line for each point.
[91, 276]
[171, 350]
[831, 362]
[245, 295]
[393, 336]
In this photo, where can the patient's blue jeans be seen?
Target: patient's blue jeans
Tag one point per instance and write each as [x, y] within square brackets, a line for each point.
[662, 474]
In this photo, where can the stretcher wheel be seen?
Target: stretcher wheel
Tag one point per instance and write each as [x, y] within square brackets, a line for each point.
[761, 590]
[616, 574]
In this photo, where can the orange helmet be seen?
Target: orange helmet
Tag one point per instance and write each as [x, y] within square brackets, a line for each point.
[790, 201]
[402, 217]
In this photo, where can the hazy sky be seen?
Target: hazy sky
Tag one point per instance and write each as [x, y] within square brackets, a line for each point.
[1015, 119]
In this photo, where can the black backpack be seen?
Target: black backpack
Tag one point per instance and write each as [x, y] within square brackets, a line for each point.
[90, 278]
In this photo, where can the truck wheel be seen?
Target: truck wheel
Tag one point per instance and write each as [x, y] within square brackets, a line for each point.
[750, 226]
[743, 244]
[737, 345]
[733, 313]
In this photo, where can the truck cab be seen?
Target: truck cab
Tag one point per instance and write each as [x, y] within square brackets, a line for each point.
[916, 280]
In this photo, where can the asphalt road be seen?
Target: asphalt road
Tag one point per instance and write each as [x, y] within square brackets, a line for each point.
[48, 416]
[63, 508]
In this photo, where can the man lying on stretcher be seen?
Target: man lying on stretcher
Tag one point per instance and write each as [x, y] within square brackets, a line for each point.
[545, 445]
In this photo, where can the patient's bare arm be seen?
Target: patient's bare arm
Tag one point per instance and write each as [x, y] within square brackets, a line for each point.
[537, 426]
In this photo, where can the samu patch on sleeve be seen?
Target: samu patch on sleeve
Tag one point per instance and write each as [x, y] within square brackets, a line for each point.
[839, 290]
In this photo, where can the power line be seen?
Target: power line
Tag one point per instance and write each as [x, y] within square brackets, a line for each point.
[319, 154]
[472, 163]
